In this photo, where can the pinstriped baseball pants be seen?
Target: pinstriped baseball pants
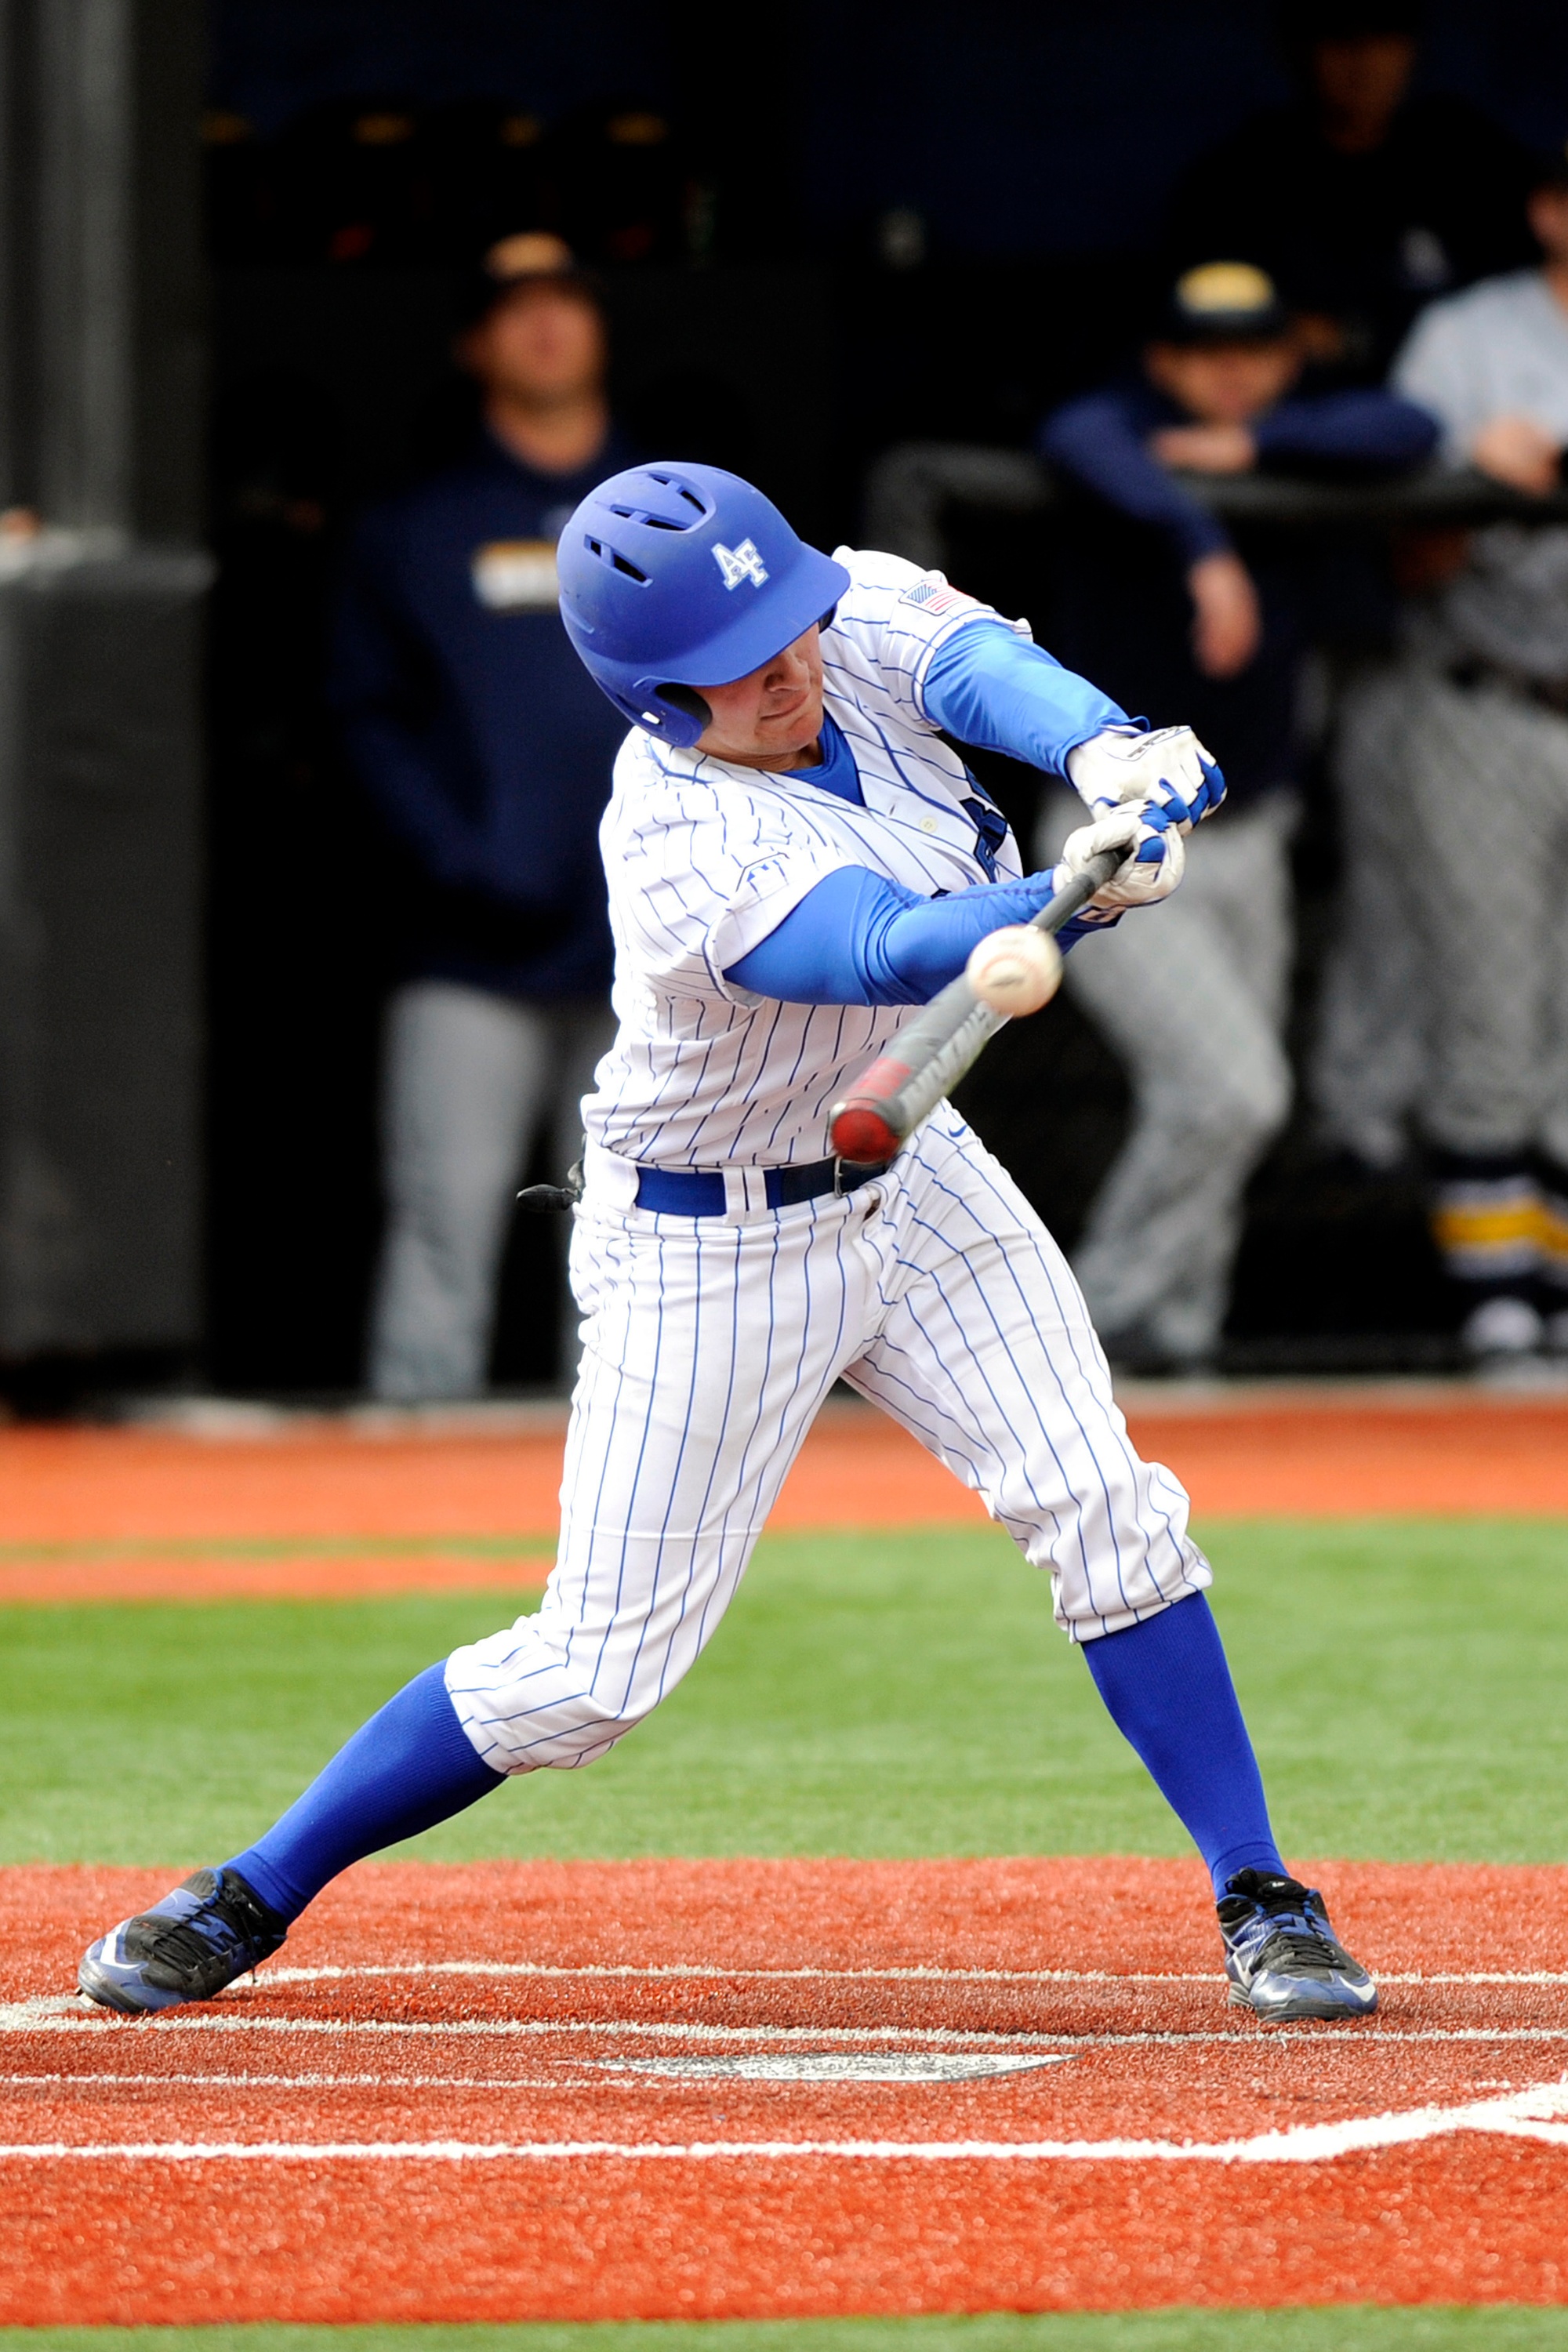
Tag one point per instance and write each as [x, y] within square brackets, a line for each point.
[709, 1346]
[1450, 997]
[1485, 784]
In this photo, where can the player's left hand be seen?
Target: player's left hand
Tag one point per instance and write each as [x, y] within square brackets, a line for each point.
[1156, 866]
[1167, 766]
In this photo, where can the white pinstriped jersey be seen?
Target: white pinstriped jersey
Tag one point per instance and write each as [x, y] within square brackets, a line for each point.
[705, 859]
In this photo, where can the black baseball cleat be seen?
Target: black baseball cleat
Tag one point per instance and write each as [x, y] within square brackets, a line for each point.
[1281, 1955]
[187, 1948]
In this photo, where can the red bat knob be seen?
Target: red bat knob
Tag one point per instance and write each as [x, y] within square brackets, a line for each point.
[861, 1130]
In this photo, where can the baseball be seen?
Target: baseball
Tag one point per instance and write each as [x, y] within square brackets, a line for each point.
[1016, 969]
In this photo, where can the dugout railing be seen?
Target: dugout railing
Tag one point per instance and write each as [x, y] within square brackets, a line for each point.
[914, 493]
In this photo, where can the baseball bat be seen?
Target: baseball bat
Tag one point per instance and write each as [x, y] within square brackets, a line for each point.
[944, 1040]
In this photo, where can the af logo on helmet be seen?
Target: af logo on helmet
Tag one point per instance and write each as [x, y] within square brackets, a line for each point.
[738, 563]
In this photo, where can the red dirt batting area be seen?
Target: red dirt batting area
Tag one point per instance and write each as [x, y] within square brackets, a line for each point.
[749, 2088]
[752, 2088]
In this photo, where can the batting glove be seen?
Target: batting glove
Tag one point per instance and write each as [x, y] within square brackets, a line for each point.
[1169, 768]
[1159, 858]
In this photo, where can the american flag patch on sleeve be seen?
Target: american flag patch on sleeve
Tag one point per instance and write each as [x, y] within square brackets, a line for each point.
[936, 596]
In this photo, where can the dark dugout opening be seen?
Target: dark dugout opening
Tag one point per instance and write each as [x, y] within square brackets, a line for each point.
[926, 230]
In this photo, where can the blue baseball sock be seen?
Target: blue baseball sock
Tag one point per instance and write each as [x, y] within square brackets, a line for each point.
[411, 1766]
[1169, 1693]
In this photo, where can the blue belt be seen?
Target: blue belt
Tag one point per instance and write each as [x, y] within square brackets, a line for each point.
[699, 1191]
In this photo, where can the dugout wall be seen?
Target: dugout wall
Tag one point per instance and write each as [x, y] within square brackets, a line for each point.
[101, 586]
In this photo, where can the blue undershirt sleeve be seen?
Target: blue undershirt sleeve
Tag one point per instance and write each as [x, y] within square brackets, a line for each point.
[996, 691]
[856, 938]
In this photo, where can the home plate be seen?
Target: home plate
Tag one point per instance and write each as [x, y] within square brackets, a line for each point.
[838, 2066]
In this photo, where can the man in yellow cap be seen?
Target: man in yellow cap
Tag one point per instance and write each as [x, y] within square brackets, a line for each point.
[1159, 601]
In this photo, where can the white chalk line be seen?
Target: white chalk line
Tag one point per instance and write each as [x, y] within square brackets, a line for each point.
[313, 2082]
[530, 2029]
[682, 1970]
[28, 2015]
[1329, 2038]
[788, 2069]
[1520, 2115]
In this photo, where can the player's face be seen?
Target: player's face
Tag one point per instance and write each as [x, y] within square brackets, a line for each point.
[1225, 384]
[773, 717]
[1549, 219]
[1360, 82]
[539, 343]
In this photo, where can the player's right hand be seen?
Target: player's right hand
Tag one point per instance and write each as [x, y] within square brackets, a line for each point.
[1167, 767]
[1156, 866]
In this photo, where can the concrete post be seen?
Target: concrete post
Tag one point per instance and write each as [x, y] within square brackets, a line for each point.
[101, 892]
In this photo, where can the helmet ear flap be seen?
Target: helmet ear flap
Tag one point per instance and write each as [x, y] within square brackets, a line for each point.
[676, 714]
[690, 703]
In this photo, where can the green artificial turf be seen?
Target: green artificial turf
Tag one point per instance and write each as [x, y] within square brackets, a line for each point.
[1339, 2327]
[874, 1694]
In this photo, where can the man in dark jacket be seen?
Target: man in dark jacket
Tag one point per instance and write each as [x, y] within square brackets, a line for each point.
[485, 752]
[1158, 601]
[1361, 199]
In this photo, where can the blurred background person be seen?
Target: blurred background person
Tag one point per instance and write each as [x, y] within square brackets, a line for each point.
[1367, 197]
[1363, 199]
[484, 753]
[1469, 766]
[1162, 605]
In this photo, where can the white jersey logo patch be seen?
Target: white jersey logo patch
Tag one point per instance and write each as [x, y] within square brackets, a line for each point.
[738, 563]
[516, 575]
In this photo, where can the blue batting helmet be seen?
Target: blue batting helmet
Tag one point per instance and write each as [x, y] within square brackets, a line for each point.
[675, 577]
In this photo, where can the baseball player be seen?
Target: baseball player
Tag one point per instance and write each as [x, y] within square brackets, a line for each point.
[795, 854]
